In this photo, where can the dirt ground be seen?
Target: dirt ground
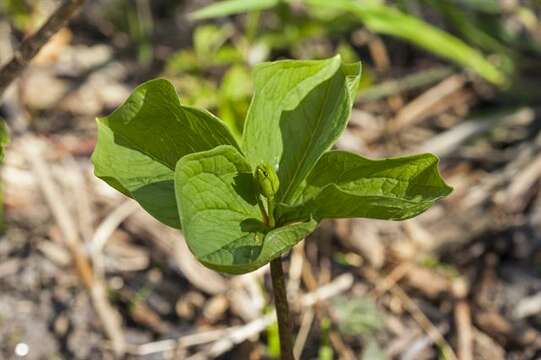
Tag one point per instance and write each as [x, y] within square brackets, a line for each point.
[460, 281]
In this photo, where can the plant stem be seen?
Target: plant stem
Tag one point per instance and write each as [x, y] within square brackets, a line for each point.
[270, 207]
[279, 291]
[282, 309]
[32, 44]
[263, 212]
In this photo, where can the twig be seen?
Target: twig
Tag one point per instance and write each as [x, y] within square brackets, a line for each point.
[488, 345]
[240, 334]
[109, 317]
[321, 293]
[424, 322]
[300, 341]
[107, 227]
[282, 309]
[246, 296]
[401, 343]
[417, 110]
[76, 182]
[410, 82]
[225, 339]
[110, 223]
[416, 314]
[463, 323]
[170, 241]
[338, 285]
[32, 44]
[184, 342]
[295, 270]
[522, 184]
[421, 344]
[33, 149]
[464, 328]
[200, 276]
[379, 53]
[344, 352]
[390, 280]
[446, 143]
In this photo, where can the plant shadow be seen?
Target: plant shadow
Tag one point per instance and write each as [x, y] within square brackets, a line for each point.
[244, 186]
[158, 199]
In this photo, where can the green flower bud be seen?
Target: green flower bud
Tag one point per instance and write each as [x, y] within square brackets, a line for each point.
[267, 180]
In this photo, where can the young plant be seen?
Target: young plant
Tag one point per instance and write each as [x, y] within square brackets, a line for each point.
[242, 206]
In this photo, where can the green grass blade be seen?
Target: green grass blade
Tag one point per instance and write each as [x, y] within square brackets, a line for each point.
[232, 7]
[386, 20]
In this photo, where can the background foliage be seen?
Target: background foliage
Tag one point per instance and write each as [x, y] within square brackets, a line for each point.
[458, 78]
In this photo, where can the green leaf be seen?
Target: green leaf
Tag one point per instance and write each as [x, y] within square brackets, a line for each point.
[140, 142]
[235, 93]
[223, 226]
[345, 185]
[383, 19]
[4, 138]
[153, 122]
[298, 111]
[184, 167]
[232, 7]
[273, 341]
[137, 176]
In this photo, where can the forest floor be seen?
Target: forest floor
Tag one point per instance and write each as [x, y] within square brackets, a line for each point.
[460, 281]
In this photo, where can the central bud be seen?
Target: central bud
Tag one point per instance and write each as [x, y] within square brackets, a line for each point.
[267, 180]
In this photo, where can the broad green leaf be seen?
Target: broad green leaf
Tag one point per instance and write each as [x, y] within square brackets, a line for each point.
[345, 185]
[136, 175]
[184, 167]
[222, 223]
[383, 19]
[279, 241]
[298, 111]
[140, 142]
[153, 122]
[232, 7]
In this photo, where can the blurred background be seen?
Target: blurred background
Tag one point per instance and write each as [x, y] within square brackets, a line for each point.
[459, 78]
